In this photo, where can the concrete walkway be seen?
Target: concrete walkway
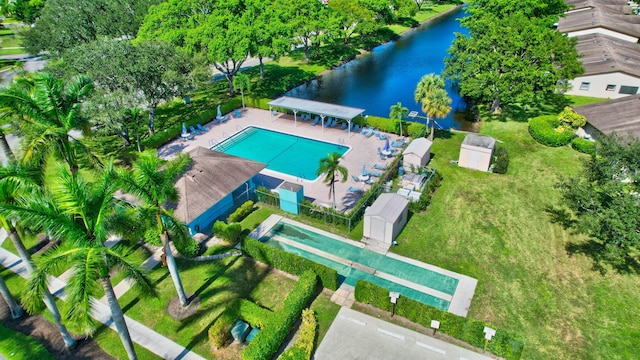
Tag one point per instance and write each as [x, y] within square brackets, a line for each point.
[354, 335]
[140, 334]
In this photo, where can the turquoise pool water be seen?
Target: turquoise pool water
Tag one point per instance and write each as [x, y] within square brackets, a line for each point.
[293, 155]
[400, 269]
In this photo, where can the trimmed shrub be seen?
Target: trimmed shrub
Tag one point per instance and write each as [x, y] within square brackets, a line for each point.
[504, 344]
[543, 129]
[242, 212]
[289, 263]
[230, 233]
[269, 339]
[294, 353]
[416, 130]
[220, 331]
[501, 160]
[252, 313]
[584, 146]
[426, 195]
[571, 119]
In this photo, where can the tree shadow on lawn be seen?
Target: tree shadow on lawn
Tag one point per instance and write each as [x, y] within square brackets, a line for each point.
[541, 104]
[278, 79]
[601, 262]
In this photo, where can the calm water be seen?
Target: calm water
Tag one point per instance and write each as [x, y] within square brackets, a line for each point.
[289, 154]
[391, 72]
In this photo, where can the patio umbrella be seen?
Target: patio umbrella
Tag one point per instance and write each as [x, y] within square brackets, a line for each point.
[364, 170]
[219, 112]
[386, 144]
[184, 128]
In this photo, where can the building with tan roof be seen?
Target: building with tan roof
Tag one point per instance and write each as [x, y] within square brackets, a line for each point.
[213, 185]
[621, 116]
[600, 21]
[612, 67]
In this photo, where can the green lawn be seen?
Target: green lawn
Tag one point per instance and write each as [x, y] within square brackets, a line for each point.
[17, 346]
[500, 230]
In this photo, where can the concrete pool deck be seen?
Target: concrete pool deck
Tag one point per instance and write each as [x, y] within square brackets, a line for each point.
[363, 150]
[460, 301]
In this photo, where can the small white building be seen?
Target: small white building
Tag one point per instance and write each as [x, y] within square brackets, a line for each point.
[476, 152]
[417, 154]
[386, 218]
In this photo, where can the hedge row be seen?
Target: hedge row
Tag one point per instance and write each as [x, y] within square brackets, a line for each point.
[162, 137]
[303, 347]
[409, 128]
[584, 146]
[543, 130]
[241, 212]
[501, 160]
[229, 233]
[275, 331]
[503, 344]
[289, 263]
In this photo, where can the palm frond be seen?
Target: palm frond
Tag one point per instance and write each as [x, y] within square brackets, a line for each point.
[131, 270]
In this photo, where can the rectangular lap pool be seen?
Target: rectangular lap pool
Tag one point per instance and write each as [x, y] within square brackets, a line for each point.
[289, 154]
[354, 263]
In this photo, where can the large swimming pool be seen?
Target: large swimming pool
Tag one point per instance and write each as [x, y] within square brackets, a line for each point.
[354, 263]
[289, 154]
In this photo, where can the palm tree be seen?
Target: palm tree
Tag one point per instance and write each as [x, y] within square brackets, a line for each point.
[436, 104]
[14, 307]
[397, 112]
[329, 166]
[428, 85]
[151, 180]
[48, 110]
[242, 82]
[82, 215]
[6, 149]
[15, 182]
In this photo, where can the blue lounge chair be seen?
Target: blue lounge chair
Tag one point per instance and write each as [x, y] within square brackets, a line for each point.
[355, 178]
[315, 122]
[355, 190]
[369, 133]
[201, 128]
[379, 167]
[364, 130]
[237, 113]
[193, 130]
[223, 118]
[343, 126]
[397, 143]
[356, 128]
[373, 173]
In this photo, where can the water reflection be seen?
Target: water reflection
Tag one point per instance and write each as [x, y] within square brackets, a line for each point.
[390, 73]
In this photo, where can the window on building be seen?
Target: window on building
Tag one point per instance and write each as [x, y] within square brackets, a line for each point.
[630, 90]
[611, 87]
[584, 86]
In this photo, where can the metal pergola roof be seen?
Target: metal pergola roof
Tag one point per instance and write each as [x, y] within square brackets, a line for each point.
[316, 107]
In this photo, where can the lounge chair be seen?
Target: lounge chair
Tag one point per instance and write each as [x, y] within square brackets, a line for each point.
[223, 118]
[369, 133]
[333, 123]
[237, 113]
[382, 136]
[379, 167]
[274, 112]
[355, 190]
[193, 130]
[355, 178]
[373, 173]
[364, 130]
[343, 126]
[397, 143]
[356, 128]
[315, 122]
[201, 128]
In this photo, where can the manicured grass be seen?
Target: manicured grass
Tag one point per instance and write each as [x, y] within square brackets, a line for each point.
[17, 346]
[502, 230]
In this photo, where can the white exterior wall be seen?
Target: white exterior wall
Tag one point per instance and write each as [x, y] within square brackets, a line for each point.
[598, 85]
[598, 30]
[475, 157]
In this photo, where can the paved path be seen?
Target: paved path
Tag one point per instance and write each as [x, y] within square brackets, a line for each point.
[140, 334]
[354, 335]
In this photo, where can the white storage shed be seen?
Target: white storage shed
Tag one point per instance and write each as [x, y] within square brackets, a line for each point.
[386, 218]
[476, 152]
[417, 154]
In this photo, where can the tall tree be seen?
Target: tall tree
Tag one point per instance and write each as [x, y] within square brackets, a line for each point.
[242, 82]
[354, 18]
[398, 112]
[270, 34]
[14, 307]
[309, 21]
[435, 101]
[82, 215]
[63, 24]
[215, 28]
[436, 104]
[509, 58]
[151, 180]
[604, 198]
[15, 183]
[47, 111]
[329, 167]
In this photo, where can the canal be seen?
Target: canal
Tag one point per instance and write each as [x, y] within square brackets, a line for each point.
[390, 72]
